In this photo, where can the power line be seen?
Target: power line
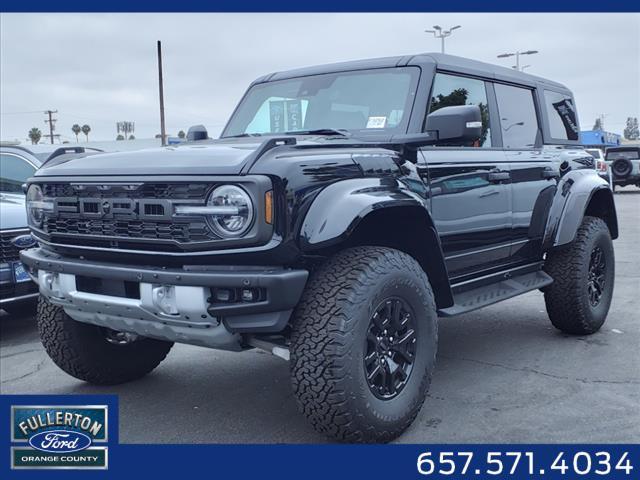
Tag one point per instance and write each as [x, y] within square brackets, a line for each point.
[21, 113]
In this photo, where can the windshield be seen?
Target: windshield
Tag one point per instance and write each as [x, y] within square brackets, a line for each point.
[14, 171]
[360, 101]
[595, 153]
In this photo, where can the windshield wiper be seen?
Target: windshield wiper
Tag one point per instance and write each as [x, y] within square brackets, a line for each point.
[242, 135]
[321, 131]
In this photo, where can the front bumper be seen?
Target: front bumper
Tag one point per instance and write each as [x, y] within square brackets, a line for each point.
[195, 318]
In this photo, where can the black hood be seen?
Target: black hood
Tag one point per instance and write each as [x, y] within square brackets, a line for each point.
[216, 158]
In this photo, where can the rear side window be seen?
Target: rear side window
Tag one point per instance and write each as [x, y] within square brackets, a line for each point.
[626, 154]
[451, 90]
[518, 120]
[14, 171]
[563, 120]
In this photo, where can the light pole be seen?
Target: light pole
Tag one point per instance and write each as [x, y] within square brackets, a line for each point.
[517, 55]
[438, 32]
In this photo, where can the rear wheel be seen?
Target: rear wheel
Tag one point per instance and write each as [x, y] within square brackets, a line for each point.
[364, 344]
[95, 354]
[583, 272]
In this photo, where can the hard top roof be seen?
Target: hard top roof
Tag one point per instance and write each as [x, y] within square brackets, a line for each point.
[439, 60]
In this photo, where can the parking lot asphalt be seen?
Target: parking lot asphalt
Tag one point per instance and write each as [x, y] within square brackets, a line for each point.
[504, 374]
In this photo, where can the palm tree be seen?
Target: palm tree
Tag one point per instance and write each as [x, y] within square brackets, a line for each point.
[86, 129]
[35, 135]
[181, 134]
[76, 130]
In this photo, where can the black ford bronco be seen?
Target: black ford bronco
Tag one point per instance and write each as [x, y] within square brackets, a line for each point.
[341, 212]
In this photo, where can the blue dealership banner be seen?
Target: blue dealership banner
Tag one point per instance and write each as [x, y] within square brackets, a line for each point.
[24, 417]
[325, 6]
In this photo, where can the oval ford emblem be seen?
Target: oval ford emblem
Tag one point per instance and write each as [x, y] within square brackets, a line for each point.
[60, 441]
[24, 241]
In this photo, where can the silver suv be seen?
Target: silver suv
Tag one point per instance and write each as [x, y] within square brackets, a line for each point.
[624, 163]
[17, 164]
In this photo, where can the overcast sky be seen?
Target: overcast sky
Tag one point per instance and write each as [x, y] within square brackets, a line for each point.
[101, 68]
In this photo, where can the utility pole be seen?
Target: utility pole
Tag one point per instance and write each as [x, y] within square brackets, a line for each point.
[601, 117]
[438, 32]
[517, 55]
[162, 129]
[51, 122]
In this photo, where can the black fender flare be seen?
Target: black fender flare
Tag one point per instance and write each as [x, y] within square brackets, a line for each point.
[341, 207]
[578, 193]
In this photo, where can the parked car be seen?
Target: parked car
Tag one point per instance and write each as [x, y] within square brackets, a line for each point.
[624, 163]
[344, 208]
[17, 164]
[601, 165]
[17, 290]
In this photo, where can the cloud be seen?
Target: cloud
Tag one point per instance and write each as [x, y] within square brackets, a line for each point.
[101, 68]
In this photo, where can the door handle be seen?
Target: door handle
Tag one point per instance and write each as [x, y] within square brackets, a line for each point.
[549, 172]
[496, 176]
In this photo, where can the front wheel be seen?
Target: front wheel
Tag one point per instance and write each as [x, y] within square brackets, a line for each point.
[364, 344]
[95, 354]
[583, 273]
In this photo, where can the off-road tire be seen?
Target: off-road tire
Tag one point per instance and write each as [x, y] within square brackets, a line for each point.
[83, 351]
[328, 342]
[567, 298]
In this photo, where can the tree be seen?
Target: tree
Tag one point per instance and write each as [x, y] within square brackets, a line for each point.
[120, 137]
[631, 131]
[76, 130]
[35, 135]
[131, 137]
[86, 129]
[598, 125]
[181, 134]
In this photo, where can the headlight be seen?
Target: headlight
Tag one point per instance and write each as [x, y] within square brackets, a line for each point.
[37, 206]
[235, 211]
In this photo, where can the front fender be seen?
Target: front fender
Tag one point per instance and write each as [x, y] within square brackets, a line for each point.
[339, 208]
[379, 211]
[574, 196]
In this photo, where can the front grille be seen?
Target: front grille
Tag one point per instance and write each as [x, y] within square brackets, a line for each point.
[172, 191]
[125, 215]
[8, 251]
[183, 232]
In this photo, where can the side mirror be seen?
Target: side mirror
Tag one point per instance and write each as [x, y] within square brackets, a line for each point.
[197, 132]
[458, 124]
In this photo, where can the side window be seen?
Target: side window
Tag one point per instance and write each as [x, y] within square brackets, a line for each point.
[518, 120]
[451, 90]
[563, 120]
[14, 171]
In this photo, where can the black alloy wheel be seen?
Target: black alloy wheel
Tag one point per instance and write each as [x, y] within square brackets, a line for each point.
[390, 348]
[596, 278]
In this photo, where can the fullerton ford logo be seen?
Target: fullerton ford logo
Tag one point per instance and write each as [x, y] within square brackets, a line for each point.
[60, 441]
[24, 241]
[52, 436]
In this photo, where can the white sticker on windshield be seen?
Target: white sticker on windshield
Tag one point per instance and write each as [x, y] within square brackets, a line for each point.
[377, 122]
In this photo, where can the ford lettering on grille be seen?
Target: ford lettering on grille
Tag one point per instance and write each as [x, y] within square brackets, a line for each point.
[117, 207]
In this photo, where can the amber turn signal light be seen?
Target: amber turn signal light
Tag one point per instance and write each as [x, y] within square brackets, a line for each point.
[268, 207]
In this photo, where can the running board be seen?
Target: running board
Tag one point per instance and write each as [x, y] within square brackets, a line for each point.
[496, 292]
